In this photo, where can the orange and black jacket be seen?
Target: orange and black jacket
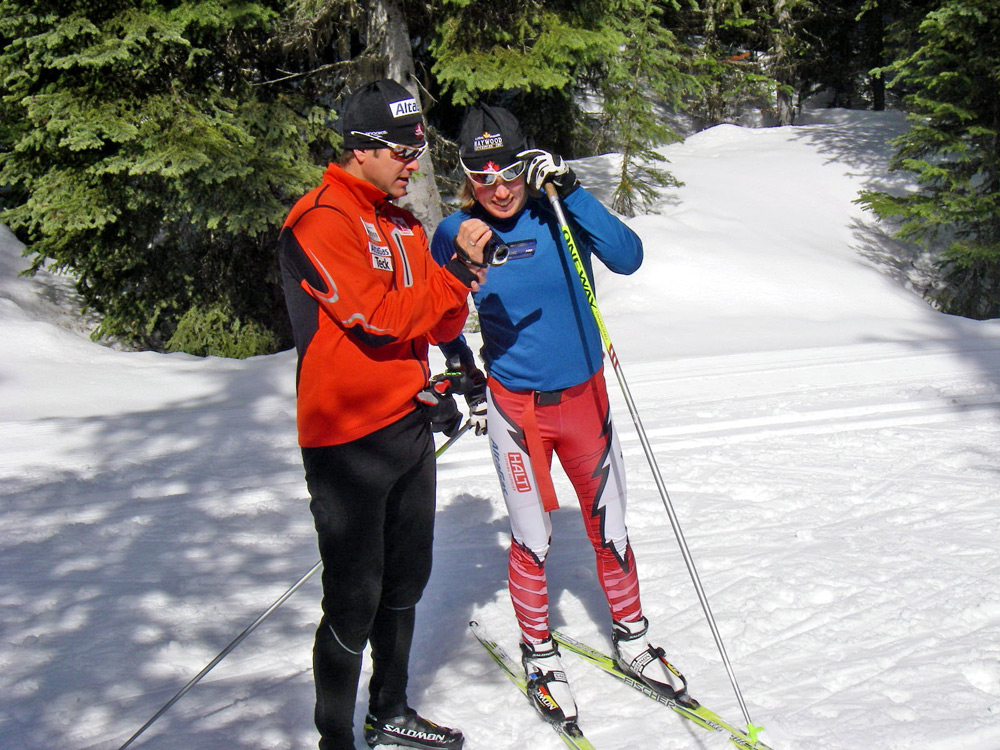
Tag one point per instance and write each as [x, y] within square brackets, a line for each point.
[365, 299]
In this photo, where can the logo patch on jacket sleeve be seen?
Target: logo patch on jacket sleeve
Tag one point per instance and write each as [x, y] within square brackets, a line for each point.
[381, 257]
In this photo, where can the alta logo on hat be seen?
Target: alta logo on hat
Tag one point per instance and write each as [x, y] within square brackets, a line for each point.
[404, 107]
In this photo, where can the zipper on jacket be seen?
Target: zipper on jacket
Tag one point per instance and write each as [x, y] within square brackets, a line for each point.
[407, 275]
[398, 242]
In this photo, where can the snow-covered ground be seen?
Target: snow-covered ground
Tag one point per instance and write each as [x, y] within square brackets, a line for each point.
[831, 445]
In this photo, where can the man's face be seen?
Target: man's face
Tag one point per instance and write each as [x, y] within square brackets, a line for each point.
[388, 172]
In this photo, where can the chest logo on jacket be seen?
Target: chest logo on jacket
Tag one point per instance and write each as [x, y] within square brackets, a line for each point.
[402, 227]
[371, 231]
[381, 257]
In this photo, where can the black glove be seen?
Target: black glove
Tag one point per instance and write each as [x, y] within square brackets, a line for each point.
[470, 381]
[545, 167]
[439, 406]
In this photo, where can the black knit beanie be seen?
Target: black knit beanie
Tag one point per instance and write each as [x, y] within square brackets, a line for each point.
[383, 109]
[489, 135]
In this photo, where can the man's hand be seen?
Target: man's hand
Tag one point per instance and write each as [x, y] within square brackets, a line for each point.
[438, 404]
[473, 234]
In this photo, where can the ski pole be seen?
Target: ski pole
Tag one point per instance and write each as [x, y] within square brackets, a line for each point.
[225, 652]
[451, 441]
[588, 292]
[256, 623]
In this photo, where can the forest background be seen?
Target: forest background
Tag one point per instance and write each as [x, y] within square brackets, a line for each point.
[153, 148]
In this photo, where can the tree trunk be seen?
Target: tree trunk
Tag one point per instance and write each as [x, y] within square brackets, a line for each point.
[876, 51]
[713, 99]
[782, 62]
[387, 25]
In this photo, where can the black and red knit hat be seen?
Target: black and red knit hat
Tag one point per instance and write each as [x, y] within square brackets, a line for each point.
[489, 134]
[385, 110]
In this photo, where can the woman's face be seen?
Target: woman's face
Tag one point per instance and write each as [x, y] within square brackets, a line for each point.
[502, 199]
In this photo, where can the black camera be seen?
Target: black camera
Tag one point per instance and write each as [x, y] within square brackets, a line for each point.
[495, 252]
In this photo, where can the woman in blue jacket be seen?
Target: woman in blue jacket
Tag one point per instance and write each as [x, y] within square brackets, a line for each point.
[546, 392]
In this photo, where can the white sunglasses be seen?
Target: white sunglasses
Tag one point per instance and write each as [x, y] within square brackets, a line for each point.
[489, 177]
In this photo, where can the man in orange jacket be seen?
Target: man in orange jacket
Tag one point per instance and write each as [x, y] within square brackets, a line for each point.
[366, 300]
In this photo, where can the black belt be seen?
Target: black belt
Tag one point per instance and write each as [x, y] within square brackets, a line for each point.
[548, 398]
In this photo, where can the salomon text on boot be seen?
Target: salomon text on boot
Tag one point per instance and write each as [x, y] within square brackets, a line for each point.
[411, 730]
[547, 685]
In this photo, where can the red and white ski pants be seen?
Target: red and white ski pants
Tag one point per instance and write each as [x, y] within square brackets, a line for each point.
[525, 428]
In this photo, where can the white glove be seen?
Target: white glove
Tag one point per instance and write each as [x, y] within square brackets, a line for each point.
[545, 167]
[477, 417]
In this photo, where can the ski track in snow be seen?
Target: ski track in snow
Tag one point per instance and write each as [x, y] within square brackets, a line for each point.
[779, 530]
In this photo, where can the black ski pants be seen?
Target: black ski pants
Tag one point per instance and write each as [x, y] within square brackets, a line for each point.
[373, 504]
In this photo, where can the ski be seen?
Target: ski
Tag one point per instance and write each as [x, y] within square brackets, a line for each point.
[570, 731]
[698, 714]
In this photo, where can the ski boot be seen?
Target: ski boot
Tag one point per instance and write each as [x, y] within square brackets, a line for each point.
[637, 658]
[547, 686]
[411, 730]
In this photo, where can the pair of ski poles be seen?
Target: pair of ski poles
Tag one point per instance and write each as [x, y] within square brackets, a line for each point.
[256, 623]
[588, 291]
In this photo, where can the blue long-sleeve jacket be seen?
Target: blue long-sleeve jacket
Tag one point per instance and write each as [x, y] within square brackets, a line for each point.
[538, 331]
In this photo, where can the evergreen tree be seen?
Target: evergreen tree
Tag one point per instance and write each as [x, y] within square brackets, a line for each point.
[483, 46]
[142, 147]
[871, 23]
[542, 57]
[950, 83]
[849, 41]
[531, 57]
[647, 72]
[726, 62]
[836, 64]
[389, 35]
